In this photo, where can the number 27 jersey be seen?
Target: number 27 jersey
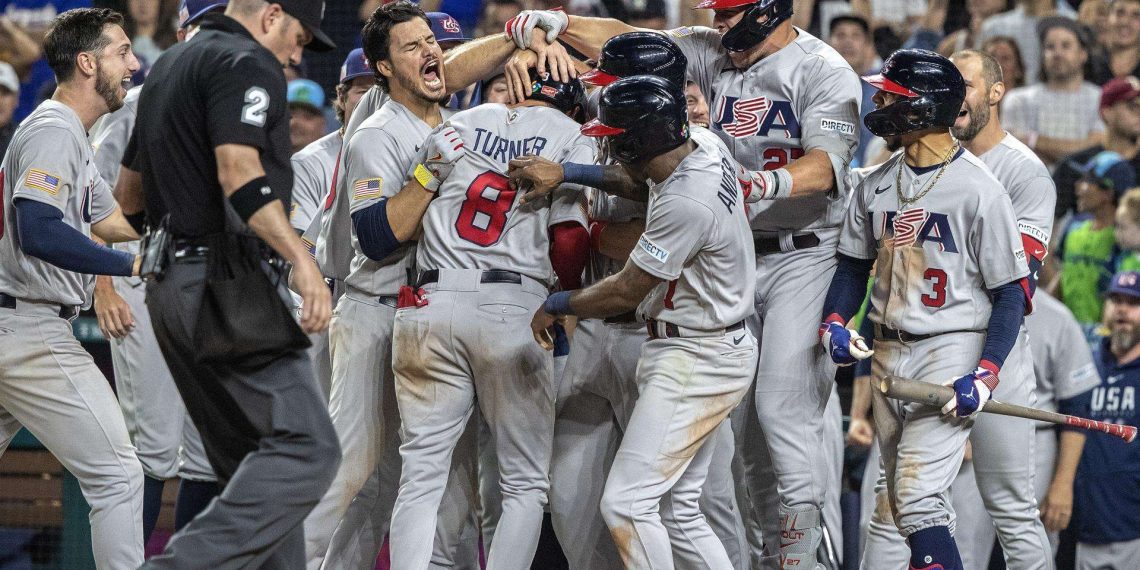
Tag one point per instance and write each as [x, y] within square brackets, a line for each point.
[478, 221]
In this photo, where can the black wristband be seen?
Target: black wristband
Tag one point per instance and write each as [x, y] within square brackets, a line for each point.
[137, 221]
[251, 197]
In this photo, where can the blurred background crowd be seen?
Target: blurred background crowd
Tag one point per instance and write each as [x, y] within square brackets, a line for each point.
[1070, 71]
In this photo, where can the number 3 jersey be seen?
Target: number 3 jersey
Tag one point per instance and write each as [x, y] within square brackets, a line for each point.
[938, 257]
[478, 221]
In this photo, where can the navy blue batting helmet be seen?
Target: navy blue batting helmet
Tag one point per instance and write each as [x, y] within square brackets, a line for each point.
[931, 91]
[564, 95]
[640, 117]
[638, 53]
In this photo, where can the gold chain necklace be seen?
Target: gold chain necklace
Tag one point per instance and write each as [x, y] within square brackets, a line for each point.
[905, 202]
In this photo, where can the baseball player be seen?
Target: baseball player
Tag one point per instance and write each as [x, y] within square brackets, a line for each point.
[453, 336]
[786, 104]
[687, 278]
[948, 293]
[596, 394]
[168, 444]
[1064, 369]
[1003, 451]
[313, 170]
[53, 198]
[363, 526]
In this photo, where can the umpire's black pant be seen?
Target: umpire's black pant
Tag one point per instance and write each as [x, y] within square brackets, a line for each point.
[267, 435]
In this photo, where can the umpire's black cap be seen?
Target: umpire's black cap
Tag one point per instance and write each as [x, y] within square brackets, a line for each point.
[309, 13]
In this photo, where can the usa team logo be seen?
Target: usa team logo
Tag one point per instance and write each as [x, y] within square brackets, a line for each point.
[906, 226]
[756, 116]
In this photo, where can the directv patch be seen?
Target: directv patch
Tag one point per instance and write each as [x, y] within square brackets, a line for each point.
[841, 127]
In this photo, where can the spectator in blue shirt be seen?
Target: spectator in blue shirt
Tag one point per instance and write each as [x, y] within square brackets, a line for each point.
[1107, 487]
[34, 17]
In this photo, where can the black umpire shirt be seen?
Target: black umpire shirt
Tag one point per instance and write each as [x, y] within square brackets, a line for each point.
[221, 87]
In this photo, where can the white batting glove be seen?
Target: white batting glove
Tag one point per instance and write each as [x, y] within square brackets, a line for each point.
[769, 185]
[443, 148]
[520, 29]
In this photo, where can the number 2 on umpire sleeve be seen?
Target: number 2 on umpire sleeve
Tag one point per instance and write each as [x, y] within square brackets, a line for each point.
[256, 102]
[937, 277]
[484, 213]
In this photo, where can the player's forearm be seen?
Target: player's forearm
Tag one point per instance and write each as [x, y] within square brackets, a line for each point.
[45, 236]
[128, 192]
[114, 228]
[860, 397]
[1005, 321]
[1072, 443]
[272, 226]
[476, 60]
[587, 35]
[848, 288]
[614, 295]
[812, 173]
[612, 179]
[407, 208]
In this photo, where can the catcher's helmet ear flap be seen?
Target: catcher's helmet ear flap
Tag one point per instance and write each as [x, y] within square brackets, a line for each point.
[748, 32]
[565, 96]
[638, 53]
[640, 117]
[930, 89]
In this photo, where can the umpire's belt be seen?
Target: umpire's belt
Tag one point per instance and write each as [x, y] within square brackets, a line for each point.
[887, 333]
[769, 244]
[662, 329]
[64, 311]
[488, 276]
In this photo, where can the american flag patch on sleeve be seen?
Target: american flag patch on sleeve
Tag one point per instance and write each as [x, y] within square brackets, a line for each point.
[367, 188]
[42, 181]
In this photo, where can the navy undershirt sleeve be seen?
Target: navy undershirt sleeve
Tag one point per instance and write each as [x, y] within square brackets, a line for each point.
[44, 235]
[1005, 321]
[374, 232]
[848, 287]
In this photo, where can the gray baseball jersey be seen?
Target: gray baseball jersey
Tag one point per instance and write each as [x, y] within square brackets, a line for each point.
[313, 168]
[334, 241]
[1030, 188]
[801, 98]
[698, 240]
[1062, 359]
[938, 258]
[49, 160]
[477, 221]
[376, 159]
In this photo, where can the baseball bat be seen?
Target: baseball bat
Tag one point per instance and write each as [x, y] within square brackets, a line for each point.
[936, 395]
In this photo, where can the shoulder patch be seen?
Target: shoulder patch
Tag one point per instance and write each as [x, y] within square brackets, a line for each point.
[654, 250]
[681, 32]
[842, 127]
[367, 189]
[43, 181]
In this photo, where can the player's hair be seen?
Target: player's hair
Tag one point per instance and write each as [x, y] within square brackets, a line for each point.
[378, 30]
[74, 32]
[1130, 204]
[991, 69]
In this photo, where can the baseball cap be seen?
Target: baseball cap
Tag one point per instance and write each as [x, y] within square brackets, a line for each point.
[1125, 283]
[1110, 171]
[305, 93]
[8, 79]
[446, 28]
[190, 10]
[1119, 89]
[355, 65]
[309, 13]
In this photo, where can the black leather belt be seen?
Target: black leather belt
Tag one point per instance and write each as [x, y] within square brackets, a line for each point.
[65, 311]
[673, 331]
[622, 319]
[488, 276]
[189, 249]
[388, 300]
[887, 333]
[770, 245]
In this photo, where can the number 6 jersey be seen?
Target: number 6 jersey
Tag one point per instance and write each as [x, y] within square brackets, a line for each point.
[478, 221]
[938, 257]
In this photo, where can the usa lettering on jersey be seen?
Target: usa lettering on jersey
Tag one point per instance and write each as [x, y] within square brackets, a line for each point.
[756, 116]
[915, 226]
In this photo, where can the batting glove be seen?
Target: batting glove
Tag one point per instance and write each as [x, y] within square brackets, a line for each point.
[443, 149]
[971, 392]
[845, 346]
[520, 29]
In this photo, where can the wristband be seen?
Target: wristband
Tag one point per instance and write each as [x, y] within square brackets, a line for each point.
[558, 303]
[590, 175]
[250, 198]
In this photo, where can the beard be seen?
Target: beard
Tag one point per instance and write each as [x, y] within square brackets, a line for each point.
[108, 89]
[979, 118]
[1123, 339]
